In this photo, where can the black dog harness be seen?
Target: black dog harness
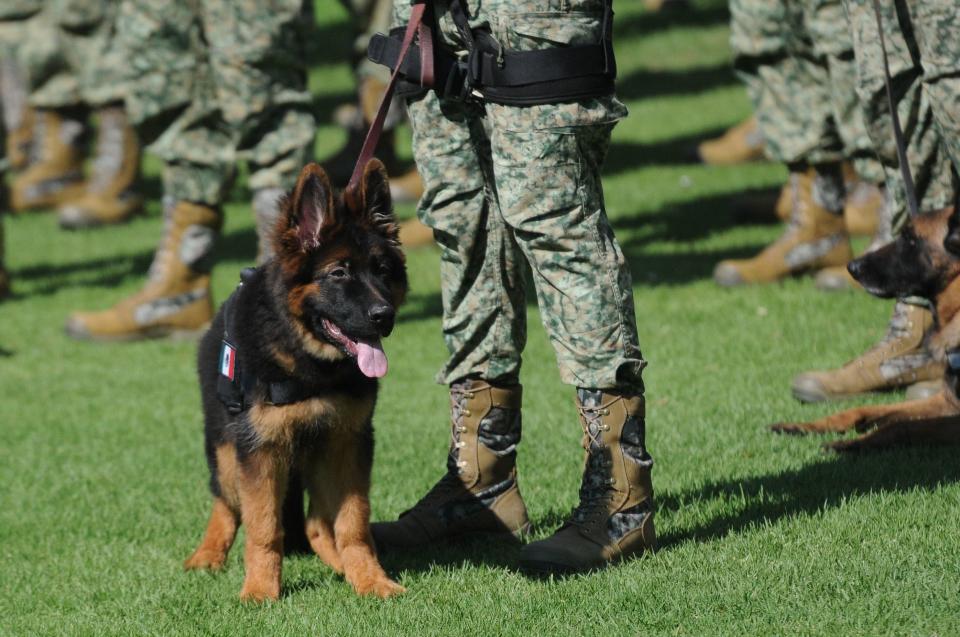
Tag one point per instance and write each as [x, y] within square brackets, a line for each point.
[488, 72]
[235, 382]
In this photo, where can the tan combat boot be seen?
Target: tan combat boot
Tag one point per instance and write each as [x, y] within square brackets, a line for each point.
[614, 519]
[176, 299]
[413, 234]
[741, 143]
[110, 194]
[55, 174]
[815, 238]
[899, 359]
[863, 205]
[765, 207]
[479, 492]
[838, 278]
[406, 187]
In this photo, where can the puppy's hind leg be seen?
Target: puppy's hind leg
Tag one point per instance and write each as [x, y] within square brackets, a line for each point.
[218, 538]
[225, 516]
[320, 515]
[865, 418]
[925, 431]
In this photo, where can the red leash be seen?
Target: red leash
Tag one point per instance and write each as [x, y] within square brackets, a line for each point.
[418, 26]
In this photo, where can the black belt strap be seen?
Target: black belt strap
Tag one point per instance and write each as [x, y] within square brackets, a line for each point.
[494, 74]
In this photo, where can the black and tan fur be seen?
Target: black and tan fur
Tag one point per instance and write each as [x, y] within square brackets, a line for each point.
[337, 258]
[923, 261]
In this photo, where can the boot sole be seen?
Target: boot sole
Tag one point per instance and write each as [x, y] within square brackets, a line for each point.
[91, 223]
[506, 537]
[174, 335]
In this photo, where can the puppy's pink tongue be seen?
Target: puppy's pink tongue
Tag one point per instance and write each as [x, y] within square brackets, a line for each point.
[371, 359]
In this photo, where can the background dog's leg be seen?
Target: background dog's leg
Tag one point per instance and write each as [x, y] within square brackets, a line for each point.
[320, 515]
[350, 460]
[263, 482]
[864, 418]
[218, 538]
[929, 431]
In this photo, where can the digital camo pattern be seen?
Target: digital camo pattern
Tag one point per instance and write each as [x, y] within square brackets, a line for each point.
[924, 50]
[499, 430]
[796, 60]
[511, 188]
[60, 46]
[214, 82]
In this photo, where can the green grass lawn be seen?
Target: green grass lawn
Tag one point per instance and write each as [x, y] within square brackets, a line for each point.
[104, 483]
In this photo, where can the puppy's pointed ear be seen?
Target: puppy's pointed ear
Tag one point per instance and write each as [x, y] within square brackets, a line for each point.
[312, 208]
[375, 197]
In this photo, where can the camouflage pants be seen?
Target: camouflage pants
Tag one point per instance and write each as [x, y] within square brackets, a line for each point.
[922, 40]
[511, 190]
[796, 58]
[214, 82]
[59, 46]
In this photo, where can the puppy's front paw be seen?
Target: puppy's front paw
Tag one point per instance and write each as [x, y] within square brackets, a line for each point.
[382, 588]
[209, 560]
[258, 592]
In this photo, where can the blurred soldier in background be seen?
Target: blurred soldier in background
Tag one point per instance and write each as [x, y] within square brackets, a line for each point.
[921, 37]
[15, 128]
[796, 59]
[209, 83]
[60, 51]
[370, 17]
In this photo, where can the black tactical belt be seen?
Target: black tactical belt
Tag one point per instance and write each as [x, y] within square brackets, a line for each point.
[488, 72]
[234, 383]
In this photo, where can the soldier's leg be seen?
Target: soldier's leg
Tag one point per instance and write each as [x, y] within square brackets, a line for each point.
[172, 101]
[937, 24]
[54, 171]
[547, 178]
[790, 89]
[900, 358]
[257, 61]
[111, 189]
[484, 329]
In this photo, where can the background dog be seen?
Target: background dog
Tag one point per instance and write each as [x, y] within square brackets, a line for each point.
[299, 345]
[923, 261]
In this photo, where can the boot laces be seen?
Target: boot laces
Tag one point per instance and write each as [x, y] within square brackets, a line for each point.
[450, 482]
[596, 485]
[459, 394]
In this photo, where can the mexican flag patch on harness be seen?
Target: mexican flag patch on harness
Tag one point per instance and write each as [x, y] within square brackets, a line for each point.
[228, 360]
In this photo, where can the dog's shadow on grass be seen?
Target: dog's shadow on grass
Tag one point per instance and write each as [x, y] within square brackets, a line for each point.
[810, 490]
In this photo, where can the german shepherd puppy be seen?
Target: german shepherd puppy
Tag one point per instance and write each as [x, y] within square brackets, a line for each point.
[923, 261]
[310, 319]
